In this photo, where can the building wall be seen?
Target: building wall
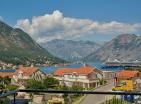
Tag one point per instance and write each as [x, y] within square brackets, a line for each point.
[82, 77]
[95, 75]
[119, 79]
[109, 75]
[86, 81]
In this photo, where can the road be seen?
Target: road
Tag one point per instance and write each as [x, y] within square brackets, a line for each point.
[97, 99]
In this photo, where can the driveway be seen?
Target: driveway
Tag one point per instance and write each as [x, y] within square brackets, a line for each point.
[97, 99]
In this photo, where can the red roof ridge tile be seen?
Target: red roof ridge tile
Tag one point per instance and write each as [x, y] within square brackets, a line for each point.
[127, 73]
[82, 70]
[27, 70]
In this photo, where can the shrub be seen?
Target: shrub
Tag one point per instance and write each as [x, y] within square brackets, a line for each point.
[11, 87]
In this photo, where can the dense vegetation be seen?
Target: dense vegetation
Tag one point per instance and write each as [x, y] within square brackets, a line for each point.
[47, 83]
[4, 81]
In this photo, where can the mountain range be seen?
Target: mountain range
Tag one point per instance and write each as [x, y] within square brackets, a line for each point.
[69, 49]
[125, 47]
[18, 47]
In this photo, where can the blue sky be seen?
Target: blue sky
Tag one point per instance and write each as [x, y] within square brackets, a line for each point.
[125, 12]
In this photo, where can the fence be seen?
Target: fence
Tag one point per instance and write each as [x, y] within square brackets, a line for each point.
[113, 100]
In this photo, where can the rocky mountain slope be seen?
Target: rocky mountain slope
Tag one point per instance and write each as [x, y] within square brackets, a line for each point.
[125, 47]
[18, 47]
[69, 49]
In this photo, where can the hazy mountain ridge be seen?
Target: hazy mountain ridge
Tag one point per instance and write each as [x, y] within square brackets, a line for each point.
[16, 46]
[70, 49]
[126, 46]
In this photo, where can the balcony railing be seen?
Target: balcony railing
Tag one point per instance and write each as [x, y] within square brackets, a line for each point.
[68, 92]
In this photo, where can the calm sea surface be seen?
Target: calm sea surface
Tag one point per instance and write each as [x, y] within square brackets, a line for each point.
[99, 66]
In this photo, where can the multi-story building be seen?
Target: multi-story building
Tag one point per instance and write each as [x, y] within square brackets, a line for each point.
[126, 75]
[123, 77]
[86, 76]
[108, 75]
[26, 73]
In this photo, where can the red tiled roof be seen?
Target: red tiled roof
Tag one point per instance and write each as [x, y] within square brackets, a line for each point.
[82, 70]
[27, 70]
[127, 74]
[7, 74]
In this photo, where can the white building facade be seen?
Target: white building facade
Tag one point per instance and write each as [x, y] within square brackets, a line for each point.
[86, 77]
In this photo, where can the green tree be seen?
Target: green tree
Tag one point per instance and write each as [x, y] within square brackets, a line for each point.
[11, 87]
[33, 84]
[76, 88]
[5, 80]
[50, 82]
[64, 87]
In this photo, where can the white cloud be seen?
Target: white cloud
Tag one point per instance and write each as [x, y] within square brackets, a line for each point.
[56, 26]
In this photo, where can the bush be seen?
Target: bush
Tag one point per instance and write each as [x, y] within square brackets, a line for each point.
[76, 88]
[11, 87]
[102, 82]
[47, 83]
[33, 84]
[64, 87]
[50, 82]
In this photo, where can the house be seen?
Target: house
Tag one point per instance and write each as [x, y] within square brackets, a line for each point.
[85, 76]
[25, 73]
[138, 84]
[108, 75]
[126, 74]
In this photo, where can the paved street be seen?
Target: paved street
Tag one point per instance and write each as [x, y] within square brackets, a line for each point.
[97, 99]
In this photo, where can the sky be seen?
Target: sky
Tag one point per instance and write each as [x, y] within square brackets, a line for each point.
[95, 20]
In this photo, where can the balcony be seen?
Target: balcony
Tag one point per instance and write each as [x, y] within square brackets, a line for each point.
[70, 97]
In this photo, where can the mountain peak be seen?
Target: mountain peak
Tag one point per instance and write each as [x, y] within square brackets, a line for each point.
[125, 38]
[20, 47]
[69, 49]
[127, 45]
